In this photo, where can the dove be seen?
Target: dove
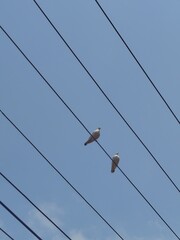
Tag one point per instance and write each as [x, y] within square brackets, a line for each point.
[94, 135]
[115, 161]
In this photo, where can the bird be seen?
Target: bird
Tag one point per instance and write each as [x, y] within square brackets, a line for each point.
[115, 161]
[94, 135]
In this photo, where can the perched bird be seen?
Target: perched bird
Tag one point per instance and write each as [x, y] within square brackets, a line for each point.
[115, 161]
[93, 137]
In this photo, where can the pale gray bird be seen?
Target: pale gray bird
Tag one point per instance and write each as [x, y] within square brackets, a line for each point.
[115, 162]
[94, 135]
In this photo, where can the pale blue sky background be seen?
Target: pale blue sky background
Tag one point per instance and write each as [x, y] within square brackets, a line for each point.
[151, 29]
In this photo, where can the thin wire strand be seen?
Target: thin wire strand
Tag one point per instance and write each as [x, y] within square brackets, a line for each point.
[61, 175]
[20, 220]
[111, 103]
[80, 193]
[37, 208]
[86, 130]
[6, 234]
[137, 61]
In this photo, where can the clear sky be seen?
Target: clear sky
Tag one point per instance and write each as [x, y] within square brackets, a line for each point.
[151, 29]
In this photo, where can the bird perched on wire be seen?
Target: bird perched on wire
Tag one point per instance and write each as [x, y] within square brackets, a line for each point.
[115, 161]
[94, 135]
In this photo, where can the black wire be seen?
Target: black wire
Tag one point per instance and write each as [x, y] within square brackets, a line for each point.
[21, 221]
[17, 189]
[80, 193]
[137, 61]
[74, 54]
[6, 234]
[88, 132]
[61, 175]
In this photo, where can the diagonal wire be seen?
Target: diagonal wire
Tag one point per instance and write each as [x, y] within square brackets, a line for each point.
[80, 193]
[20, 220]
[86, 130]
[61, 175]
[6, 234]
[37, 208]
[137, 61]
[111, 103]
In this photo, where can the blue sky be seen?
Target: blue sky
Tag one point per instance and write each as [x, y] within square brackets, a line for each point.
[151, 29]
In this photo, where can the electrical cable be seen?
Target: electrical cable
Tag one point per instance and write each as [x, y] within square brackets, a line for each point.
[79, 192]
[137, 61]
[105, 95]
[20, 220]
[37, 208]
[6, 234]
[61, 175]
[85, 129]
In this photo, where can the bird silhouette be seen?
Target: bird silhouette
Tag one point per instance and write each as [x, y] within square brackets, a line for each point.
[115, 161]
[94, 135]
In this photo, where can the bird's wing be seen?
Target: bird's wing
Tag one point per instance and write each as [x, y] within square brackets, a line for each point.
[113, 166]
[114, 163]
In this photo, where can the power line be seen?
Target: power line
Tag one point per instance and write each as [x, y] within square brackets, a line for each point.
[61, 175]
[21, 221]
[37, 208]
[137, 61]
[86, 130]
[80, 193]
[6, 234]
[105, 95]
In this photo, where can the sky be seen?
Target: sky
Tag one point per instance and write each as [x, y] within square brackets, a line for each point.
[151, 30]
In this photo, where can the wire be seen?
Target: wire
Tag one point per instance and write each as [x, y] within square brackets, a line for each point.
[6, 234]
[111, 103]
[80, 193]
[21, 221]
[140, 65]
[87, 131]
[61, 175]
[37, 208]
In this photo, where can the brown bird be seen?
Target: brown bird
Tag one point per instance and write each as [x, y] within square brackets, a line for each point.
[115, 161]
[94, 135]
